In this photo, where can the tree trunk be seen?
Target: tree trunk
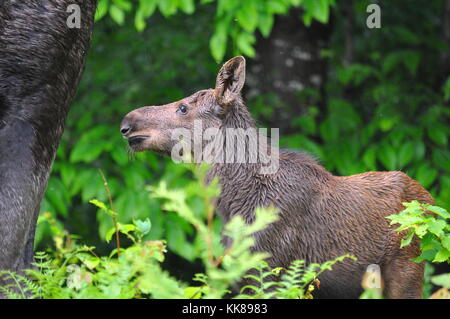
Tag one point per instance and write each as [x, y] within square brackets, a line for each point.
[289, 64]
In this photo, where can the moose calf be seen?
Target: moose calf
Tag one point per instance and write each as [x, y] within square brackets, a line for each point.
[321, 216]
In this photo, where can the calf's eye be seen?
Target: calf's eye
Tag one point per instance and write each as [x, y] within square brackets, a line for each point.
[182, 109]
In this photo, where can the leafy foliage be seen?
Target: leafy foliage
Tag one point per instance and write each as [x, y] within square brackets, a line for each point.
[443, 281]
[235, 20]
[76, 271]
[430, 224]
[297, 281]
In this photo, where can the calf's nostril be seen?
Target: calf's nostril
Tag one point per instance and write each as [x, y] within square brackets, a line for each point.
[125, 129]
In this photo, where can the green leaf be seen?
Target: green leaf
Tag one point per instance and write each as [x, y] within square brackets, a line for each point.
[218, 44]
[126, 228]
[406, 154]
[307, 18]
[176, 241]
[58, 196]
[411, 60]
[123, 4]
[147, 7]
[90, 261]
[318, 9]
[428, 254]
[437, 227]
[68, 174]
[407, 240]
[441, 158]
[84, 176]
[439, 211]
[446, 89]
[88, 147]
[120, 155]
[419, 150]
[167, 7]
[429, 241]
[446, 242]
[426, 175]
[245, 42]
[93, 188]
[99, 204]
[85, 151]
[265, 23]
[387, 123]
[441, 256]
[441, 280]
[139, 21]
[305, 123]
[187, 6]
[421, 230]
[276, 7]
[355, 73]
[110, 234]
[388, 157]
[143, 226]
[329, 131]
[296, 3]
[193, 292]
[247, 15]
[369, 158]
[102, 9]
[437, 134]
[102, 206]
[117, 14]
[310, 146]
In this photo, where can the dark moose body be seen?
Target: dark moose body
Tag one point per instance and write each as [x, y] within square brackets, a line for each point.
[41, 62]
[321, 216]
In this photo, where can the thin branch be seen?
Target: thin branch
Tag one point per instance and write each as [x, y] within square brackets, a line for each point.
[114, 217]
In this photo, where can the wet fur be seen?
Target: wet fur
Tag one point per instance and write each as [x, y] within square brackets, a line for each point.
[41, 61]
[322, 216]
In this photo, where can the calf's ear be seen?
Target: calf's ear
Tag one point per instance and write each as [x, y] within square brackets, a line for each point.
[230, 81]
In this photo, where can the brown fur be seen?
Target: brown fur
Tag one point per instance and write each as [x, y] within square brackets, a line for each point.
[321, 216]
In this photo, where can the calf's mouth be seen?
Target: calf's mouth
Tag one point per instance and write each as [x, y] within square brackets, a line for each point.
[135, 141]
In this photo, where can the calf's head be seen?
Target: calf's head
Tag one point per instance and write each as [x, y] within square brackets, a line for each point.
[151, 127]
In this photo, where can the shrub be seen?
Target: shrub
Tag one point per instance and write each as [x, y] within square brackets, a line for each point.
[431, 224]
[72, 270]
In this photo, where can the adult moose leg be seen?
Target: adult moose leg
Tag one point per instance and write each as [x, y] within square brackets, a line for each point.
[41, 62]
